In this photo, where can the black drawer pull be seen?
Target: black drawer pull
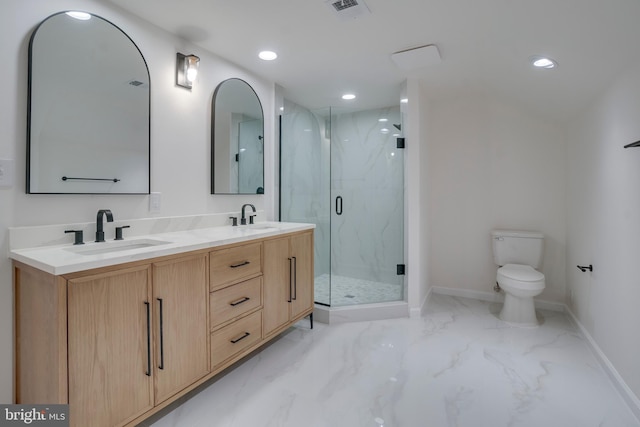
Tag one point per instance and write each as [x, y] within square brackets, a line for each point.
[240, 301]
[246, 334]
[240, 265]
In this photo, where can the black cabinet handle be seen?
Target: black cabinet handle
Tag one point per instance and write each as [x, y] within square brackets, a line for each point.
[240, 301]
[290, 280]
[246, 334]
[339, 205]
[148, 373]
[295, 278]
[161, 366]
[241, 264]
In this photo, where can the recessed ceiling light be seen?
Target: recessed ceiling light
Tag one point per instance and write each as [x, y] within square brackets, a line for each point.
[83, 16]
[383, 120]
[348, 96]
[267, 55]
[543, 62]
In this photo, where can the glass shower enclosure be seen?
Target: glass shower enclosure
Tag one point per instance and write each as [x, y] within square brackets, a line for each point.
[343, 171]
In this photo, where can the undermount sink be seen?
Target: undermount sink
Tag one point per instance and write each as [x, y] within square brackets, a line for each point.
[115, 246]
[262, 227]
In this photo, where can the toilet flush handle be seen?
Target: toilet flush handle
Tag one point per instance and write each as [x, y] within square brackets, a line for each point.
[584, 268]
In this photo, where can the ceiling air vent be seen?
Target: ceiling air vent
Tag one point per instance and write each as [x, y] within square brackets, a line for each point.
[344, 4]
[348, 9]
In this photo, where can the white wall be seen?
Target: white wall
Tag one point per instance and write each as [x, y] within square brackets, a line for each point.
[180, 140]
[417, 116]
[604, 224]
[492, 165]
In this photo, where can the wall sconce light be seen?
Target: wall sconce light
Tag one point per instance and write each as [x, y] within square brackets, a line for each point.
[186, 70]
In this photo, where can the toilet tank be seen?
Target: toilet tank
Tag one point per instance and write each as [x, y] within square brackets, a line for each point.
[517, 247]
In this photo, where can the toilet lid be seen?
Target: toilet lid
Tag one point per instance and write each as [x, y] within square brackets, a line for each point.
[521, 273]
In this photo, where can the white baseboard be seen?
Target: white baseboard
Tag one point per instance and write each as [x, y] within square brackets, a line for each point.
[416, 312]
[468, 293]
[494, 297]
[621, 386]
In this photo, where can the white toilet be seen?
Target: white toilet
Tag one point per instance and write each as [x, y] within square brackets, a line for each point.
[518, 255]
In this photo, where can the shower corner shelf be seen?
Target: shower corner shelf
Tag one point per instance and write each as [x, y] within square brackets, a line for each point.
[633, 144]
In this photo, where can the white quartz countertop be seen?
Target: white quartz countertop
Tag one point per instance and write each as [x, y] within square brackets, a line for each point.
[69, 258]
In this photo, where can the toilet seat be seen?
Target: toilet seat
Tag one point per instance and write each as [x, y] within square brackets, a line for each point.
[520, 277]
[520, 272]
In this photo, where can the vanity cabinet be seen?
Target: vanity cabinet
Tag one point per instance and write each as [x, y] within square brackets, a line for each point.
[119, 343]
[288, 281]
[136, 337]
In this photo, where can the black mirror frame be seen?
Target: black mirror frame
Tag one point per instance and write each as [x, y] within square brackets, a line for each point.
[29, 90]
[213, 123]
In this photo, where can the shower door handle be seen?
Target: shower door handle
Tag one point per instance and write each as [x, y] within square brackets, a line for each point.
[339, 205]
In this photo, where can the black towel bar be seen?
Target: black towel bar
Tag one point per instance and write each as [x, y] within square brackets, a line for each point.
[67, 178]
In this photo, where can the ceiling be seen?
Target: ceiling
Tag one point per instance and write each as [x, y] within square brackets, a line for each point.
[485, 46]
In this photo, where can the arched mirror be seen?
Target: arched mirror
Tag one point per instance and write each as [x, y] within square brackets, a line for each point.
[88, 119]
[237, 149]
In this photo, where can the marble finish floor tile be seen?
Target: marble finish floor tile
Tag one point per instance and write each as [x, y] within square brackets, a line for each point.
[458, 365]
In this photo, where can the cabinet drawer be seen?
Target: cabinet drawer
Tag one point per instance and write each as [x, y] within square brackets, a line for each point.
[233, 264]
[235, 300]
[232, 339]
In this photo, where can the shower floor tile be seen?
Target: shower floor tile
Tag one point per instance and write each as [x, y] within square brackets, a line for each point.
[352, 291]
[457, 365]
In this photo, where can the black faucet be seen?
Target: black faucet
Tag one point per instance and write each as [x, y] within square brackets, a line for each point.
[99, 230]
[243, 219]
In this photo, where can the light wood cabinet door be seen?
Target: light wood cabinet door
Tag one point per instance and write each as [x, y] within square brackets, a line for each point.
[302, 254]
[276, 284]
[181, 328]
[287, 280]
[109, 347]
